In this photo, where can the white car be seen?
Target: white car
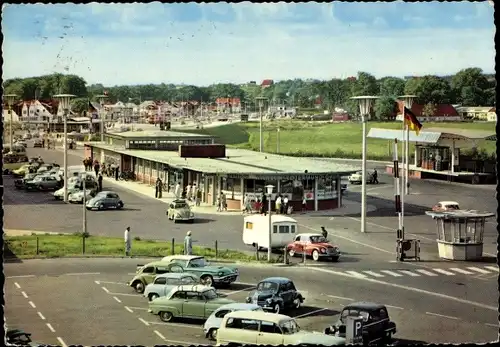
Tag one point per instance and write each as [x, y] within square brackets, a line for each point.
[77, 197]
[59, 194]
[444, 206]
[358, 178]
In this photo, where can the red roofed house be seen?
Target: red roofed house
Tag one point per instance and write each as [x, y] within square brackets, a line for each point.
[228, 105]
[266, 83]
[444, 113]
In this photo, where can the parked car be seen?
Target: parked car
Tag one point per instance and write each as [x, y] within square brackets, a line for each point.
[18, 337]
[145, 274]
[21, 144]
[23, 170]
[444, 206]
[27, 136]
[179, 210]
[313, 245]
[213, 322]
[37, 143]
[357, 178]
[188, 301]
[377, 326]
[20, 182]
[164, 283]
[76, 197]
[262, 328]
[42, 182]
[209, 274]
[105, 200]
[276, 294]
[47, 167]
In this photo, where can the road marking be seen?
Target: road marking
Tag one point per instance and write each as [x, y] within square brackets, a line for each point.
[444, 272]
[182, 343]
[114, 297]
[124, 294]
[462, 271]
[412, 289]
[138, 308]
[17, 285]
[239, 291]
[340, 297]
[143, 321]
[176, 325]
[41, 315]
[50, 328]
[97, 282]
[20, 276]
[425, 272]
[440, 315]
[310, 313]
[24, 294]
[81, 273]
[129, 309]
[159, 334]
[32, 304]
[478, 270]
[493, 268]
[61, 341]
[392, 273]
[354, 273]
[374, 274]
[491, 325]
[350, 240]
[105, 289]
[395, 307]
[409, 273]
[121, 283]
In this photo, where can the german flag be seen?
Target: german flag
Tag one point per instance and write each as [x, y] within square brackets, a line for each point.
[412, 121]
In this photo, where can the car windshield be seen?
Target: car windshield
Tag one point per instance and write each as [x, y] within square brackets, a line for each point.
[210, 294]
[354, 313]
[452, 207]
[318, 239]
[197, 262]
[267, 287]
[180, 205]
[289, 327]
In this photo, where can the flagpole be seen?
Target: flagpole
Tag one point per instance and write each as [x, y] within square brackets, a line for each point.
[401, 189]
[407, 155]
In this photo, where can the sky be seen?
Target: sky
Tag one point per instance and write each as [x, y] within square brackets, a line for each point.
[202, 44]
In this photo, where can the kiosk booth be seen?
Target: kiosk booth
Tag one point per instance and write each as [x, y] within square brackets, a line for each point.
[460, 233]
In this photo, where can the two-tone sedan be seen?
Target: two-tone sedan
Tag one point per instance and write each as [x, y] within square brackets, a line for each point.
[20, 182]
[42, 182]
[315, 246]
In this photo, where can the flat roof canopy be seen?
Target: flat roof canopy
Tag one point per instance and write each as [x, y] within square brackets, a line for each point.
[433, 135]
[152, 134]
[240, 163]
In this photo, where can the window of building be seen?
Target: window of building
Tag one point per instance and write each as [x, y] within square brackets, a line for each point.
[326, 188]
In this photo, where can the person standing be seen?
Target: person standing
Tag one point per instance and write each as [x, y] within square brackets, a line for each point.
[128, 241]
[223, 201]
[188, 244]
[264, 205]
[116, 173]
[375, 176]
[285, 204]
[304, 203]
[277, 204]
[198, 197]
[96, 167]
[246, 204]
[324, 232]
[158, 188]
[177, 190]
[189, 191]
[99, 182]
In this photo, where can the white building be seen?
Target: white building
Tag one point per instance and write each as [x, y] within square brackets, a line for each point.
[35, 112]
[6, 116]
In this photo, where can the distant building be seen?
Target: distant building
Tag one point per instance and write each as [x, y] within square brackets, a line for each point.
[478, 113]
[444, 113]
[267, 83]
[228, 105]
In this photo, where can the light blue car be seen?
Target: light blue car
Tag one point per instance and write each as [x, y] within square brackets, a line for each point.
[213, 322]
[164, 283]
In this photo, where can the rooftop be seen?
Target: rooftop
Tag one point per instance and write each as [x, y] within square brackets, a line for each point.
[155, 133]
[433, 135]
[239, 161]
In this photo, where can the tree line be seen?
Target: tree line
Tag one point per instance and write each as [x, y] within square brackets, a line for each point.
[468, 87]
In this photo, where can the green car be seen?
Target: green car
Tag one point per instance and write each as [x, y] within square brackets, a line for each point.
[188, 301]
[145, 274]
[209, 275]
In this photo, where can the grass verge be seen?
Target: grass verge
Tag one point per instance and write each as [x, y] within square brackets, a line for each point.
[54, 246]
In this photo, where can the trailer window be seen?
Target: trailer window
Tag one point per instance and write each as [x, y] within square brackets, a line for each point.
[249, 225]
[275, 229]
[284, 229]
[292, 229]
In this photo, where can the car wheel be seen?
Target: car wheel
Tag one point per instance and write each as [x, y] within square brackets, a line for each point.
[387, 339]
[166, 316]
[207, 280]
[291, 253]
[153, 296]
[212, 334]
[296, 303]
[100, 207]
[315, 255]
[276, 308]
[139, 287]
[119, 205]
[335, 259]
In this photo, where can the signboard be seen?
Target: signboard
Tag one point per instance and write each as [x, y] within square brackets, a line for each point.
[354, 330]
[202, 151]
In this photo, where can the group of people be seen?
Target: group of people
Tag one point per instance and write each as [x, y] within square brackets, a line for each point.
[110, 169]
[281, 205]
[190, 192]
[221, 202]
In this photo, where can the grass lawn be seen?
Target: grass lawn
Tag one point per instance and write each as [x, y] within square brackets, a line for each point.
[53, 246]
[338, 140]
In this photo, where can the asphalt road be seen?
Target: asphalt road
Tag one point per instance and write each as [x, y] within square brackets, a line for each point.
[88, 296]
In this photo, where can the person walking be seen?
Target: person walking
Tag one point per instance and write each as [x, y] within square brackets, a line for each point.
[128, 241]
[246, 204]
[99, 182]
[158, 188]
[285, 204]
[304, 203]
[198, 197]
[188, 244]
[189, 191]
[96, 167]
[375, 176]
[264, 205]
[219, 204]
[223, 201]
[117, 172]
[177, 190]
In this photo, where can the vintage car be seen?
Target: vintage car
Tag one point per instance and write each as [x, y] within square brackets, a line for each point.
[72, 188]
[164, 283]
[37, 143]
[357, 178]
[213, 322]
[42, 182]
[179, 210]
[444, 206]
[20, 182]
[209, 274]
[276, 294]
[105, 200]
[47, 167]
[145, 274]
[313, 245]
[377, 326]
[18, 337]
[77, 197]
[263, 328]
[23, 170]
[188, 301]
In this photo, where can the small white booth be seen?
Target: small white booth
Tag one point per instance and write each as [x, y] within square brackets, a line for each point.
[460, 233]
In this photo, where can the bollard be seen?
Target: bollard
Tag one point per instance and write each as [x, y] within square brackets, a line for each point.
[173, 246]
[83, 244]
[216, 249]
[303, 255]
[37, 246]
[257, 252]
[285, 256]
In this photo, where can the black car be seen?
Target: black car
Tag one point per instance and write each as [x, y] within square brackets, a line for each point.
[377, 326]
[17, 337]
[276, 294]
[21, 182]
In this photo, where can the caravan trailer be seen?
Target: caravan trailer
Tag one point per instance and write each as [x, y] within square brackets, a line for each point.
[256, 231]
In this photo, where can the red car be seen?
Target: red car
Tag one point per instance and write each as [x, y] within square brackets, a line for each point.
[313, 245]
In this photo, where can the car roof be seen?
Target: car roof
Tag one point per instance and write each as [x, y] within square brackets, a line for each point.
[274, 218]
[157, 263]
[364, 305]
[181, 257]
[179, 201]
[276, 280]
[261, 315]
[448, 202]
[107, 192]
[239, 306]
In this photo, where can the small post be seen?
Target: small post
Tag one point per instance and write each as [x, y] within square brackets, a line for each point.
[83, 244]
[173, 246]
[37, 246]
[285, 255]
[216, 249]
[304, 255]
[257, 252]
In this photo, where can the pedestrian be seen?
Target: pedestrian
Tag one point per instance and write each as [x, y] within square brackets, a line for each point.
[304, 203]
[85, 163]
[43, 143]
[277, 204]
[324, 232]
[177, 190]
[285, 204]
[117, 171]
[158, 188]
[375, 176]
[264, 205]
[96, 167]
[99, 182]
[223, 201]
[189, 191]
[198, 197]
[128, 241]
[219, 204]
[188, 244]
[246, 204]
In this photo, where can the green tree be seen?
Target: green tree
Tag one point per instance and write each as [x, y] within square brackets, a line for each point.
[470, 86]
[429, 110]
[365, 84]
[385, 108]
[429, 88]
[392, 86]
[79, 105]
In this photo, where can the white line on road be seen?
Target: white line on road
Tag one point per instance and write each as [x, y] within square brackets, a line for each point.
[138, 308]
[129, 309]
[105, 289]
[159, 334]
[121, 283]
[124, 294]
[340, 297]
[61, 341]
[491, 325]
[478, 270]
[441, 315]
[32, 304]
[374, 274]
[354, 273]
[41, 315]
[24, 294]
[462, 271]
[17, 285]
[97, 282]
[50, 328]
[409, 273]
[143, 321]
[395, 307]
[310, 313]
[114, 297]
[492, 268]
[392, 273]
[81, 273]
[177, 325]
[425, 272]
[239, 291]
[444, 272]
[20, 276]
[183, 343]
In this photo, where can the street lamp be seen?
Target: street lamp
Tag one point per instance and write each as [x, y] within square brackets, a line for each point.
[407, 102]
[278, 140]
[261, 100]
[10, 99]
[84, 179]
[64, 103]
[269, 190]
[100, 99]
[365, 104]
